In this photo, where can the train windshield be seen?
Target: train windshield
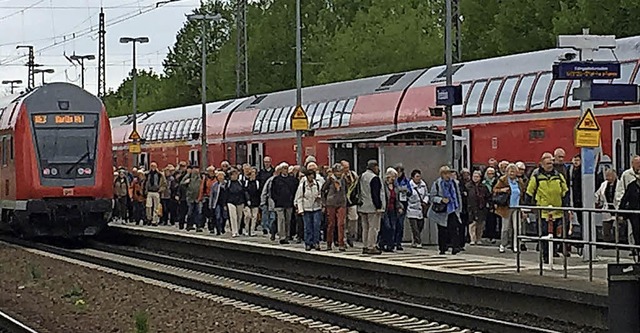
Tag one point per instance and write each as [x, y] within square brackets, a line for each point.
[66, 140]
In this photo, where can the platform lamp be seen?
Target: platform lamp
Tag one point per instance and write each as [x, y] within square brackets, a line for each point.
[43, 71]
[12, 83]
[80, 59]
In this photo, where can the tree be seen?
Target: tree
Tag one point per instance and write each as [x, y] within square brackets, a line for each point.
[149, 92]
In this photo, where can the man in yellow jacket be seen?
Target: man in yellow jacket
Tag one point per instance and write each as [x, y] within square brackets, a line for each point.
[548, 188]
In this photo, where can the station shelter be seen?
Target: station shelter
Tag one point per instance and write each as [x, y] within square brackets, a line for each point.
[422, 149]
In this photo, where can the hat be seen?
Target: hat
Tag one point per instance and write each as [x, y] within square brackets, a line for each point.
[183, 164]
[391, 171]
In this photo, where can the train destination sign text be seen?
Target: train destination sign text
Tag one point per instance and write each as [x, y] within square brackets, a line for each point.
[578, 70]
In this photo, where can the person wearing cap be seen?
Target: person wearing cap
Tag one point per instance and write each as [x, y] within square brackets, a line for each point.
[372, 208]
[308, 202]
[283, 189]
[445, 195]
[192, 182]
[309, 159]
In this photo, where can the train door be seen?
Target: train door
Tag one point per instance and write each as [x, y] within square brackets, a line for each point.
[256, 154]
[194, 157]
[143, 160]
[241, 153]
[617, 146]
[464, 155]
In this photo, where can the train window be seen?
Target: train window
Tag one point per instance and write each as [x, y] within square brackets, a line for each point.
[316, 117]
[326, 116]
[146, 131]
[161, 132]
[540, 91]
[626, 69]
[181, 125]
[273, 124]
[457, 109]
[187, 128]
[504, 99]
[486, 106]
[522, 94]
[471, 106]
[285, 115]
[173, 129]
[556, 99]
[194, 126]
[570, 101]
[157, 134]
[337, 113]
[264, 127]
[346, 114]
[258, 122]
[535, 135]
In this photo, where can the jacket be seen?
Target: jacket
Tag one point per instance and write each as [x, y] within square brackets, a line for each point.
[627, 177]
[398, 206]
[308, 196]
[192, 184]
[121, 187]
[264, 175]
[205, 186]
[236, 195]
[403, 187]
[437, 194]
[283, 190]
[601, 198]
[334, 192]
[252, 187]
[504, 183]
[138, 190]
[548, 189]
[217, 195]
[156, 182]
[166, 191]
[478, 198]
[265, 196]
[353, 188]
[371, 193]
[419, 192]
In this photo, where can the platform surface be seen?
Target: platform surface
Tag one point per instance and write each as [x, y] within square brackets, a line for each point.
[477, 261]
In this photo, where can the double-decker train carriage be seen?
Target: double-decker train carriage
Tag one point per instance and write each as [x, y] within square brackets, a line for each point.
[512, 109]
[56, 177]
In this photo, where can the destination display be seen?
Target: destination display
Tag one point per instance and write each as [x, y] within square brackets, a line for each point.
[63, 119]
[585, 70]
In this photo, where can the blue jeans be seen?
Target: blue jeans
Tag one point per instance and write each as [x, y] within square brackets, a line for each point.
[268, 217]
[312, 227]
[193, 214]
[388, 230]
[220, 216]
[399, 234]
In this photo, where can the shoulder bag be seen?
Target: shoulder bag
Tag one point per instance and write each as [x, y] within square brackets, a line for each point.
[438, 207]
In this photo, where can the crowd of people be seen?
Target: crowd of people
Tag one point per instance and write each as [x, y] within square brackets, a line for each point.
[329, 205]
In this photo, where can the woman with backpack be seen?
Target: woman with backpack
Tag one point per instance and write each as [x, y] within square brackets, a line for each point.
[417, 208]
[308, 201]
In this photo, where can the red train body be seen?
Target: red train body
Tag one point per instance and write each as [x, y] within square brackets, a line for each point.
[512, 110]
[56, 173]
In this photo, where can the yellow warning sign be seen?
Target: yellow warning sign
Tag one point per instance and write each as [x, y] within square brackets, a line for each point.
[587, 132]
[588, 122]
[134, 148]
[134, 135]
[299, 120]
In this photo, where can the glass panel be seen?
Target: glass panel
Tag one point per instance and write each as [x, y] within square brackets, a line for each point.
[570, 101]
[490, 96]
[337, 113]
[264, 127]
[146, 131]
[187, 128]
[522, 94]
[556, 98]
[285, 117]
[504, 99]
[326, 116]
[540, 91]
[457, 109]
[471, 107]
[161, 131]
[317, 116]
[258, 122]
[198, 126]
[153, 132]
[273, 123]
[174, 128]
[346, 114]
[180, 128]
[626, 70]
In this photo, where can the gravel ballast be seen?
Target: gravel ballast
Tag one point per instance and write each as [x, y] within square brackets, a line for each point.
[51, 295]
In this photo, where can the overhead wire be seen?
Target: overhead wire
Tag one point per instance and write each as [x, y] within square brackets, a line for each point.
[22, 10]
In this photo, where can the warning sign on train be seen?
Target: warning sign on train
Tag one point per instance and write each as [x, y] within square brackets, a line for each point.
[134, 135]
[299, 120]
[587, 132]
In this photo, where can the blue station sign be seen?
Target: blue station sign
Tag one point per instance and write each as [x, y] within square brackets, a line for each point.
[587, 70]
[614, 92]
[449, 95]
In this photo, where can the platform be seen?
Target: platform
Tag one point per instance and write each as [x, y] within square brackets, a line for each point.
[481, 266]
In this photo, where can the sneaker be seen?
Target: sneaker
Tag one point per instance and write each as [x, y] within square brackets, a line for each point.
[502, 249]
[307, 248]
[375, 251]
[234, 235]
[273, 237]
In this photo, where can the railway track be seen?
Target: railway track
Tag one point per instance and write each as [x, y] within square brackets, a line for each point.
[9, 324]
[340, 310]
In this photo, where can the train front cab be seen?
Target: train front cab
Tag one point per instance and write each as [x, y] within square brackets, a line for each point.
[62, 165]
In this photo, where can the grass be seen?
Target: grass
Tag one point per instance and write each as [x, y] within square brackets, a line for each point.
[142, 322]
[34, 271]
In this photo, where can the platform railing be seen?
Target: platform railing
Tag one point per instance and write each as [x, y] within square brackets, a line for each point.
[586, 226]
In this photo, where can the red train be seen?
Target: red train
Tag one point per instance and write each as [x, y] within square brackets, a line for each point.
[512, 110]
[56, 175]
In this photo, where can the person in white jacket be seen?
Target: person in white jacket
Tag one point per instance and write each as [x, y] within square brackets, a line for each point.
[628, 177]
[605, 198]
[419, 195]
[308, 201]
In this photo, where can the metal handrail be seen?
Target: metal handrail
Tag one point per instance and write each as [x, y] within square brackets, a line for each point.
[546, 237]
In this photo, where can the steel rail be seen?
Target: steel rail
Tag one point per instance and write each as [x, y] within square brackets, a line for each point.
[10, 325]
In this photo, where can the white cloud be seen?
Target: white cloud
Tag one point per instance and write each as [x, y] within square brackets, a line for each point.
[43, 23]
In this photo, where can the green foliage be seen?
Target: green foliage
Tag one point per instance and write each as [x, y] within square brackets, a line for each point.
[141, 319]
[349, 39]
[34, 271]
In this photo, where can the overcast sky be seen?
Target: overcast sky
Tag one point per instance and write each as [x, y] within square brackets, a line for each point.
[50, 26]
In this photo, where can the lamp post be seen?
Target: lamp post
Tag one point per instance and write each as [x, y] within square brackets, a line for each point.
[12, 83]
[43, 71]
[204, 18]
[449, 69]
[80, 59]
[298, 81]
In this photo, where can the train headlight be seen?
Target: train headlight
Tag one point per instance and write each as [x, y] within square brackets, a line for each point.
[80, 171]
[46, 171]
[87, 171]
[54, 171]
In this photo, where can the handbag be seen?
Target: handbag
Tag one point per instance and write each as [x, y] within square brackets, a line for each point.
[439, 207]
[423, 205]
[501, 199]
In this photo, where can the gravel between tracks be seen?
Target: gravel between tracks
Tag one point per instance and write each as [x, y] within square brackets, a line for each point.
[55, 296]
